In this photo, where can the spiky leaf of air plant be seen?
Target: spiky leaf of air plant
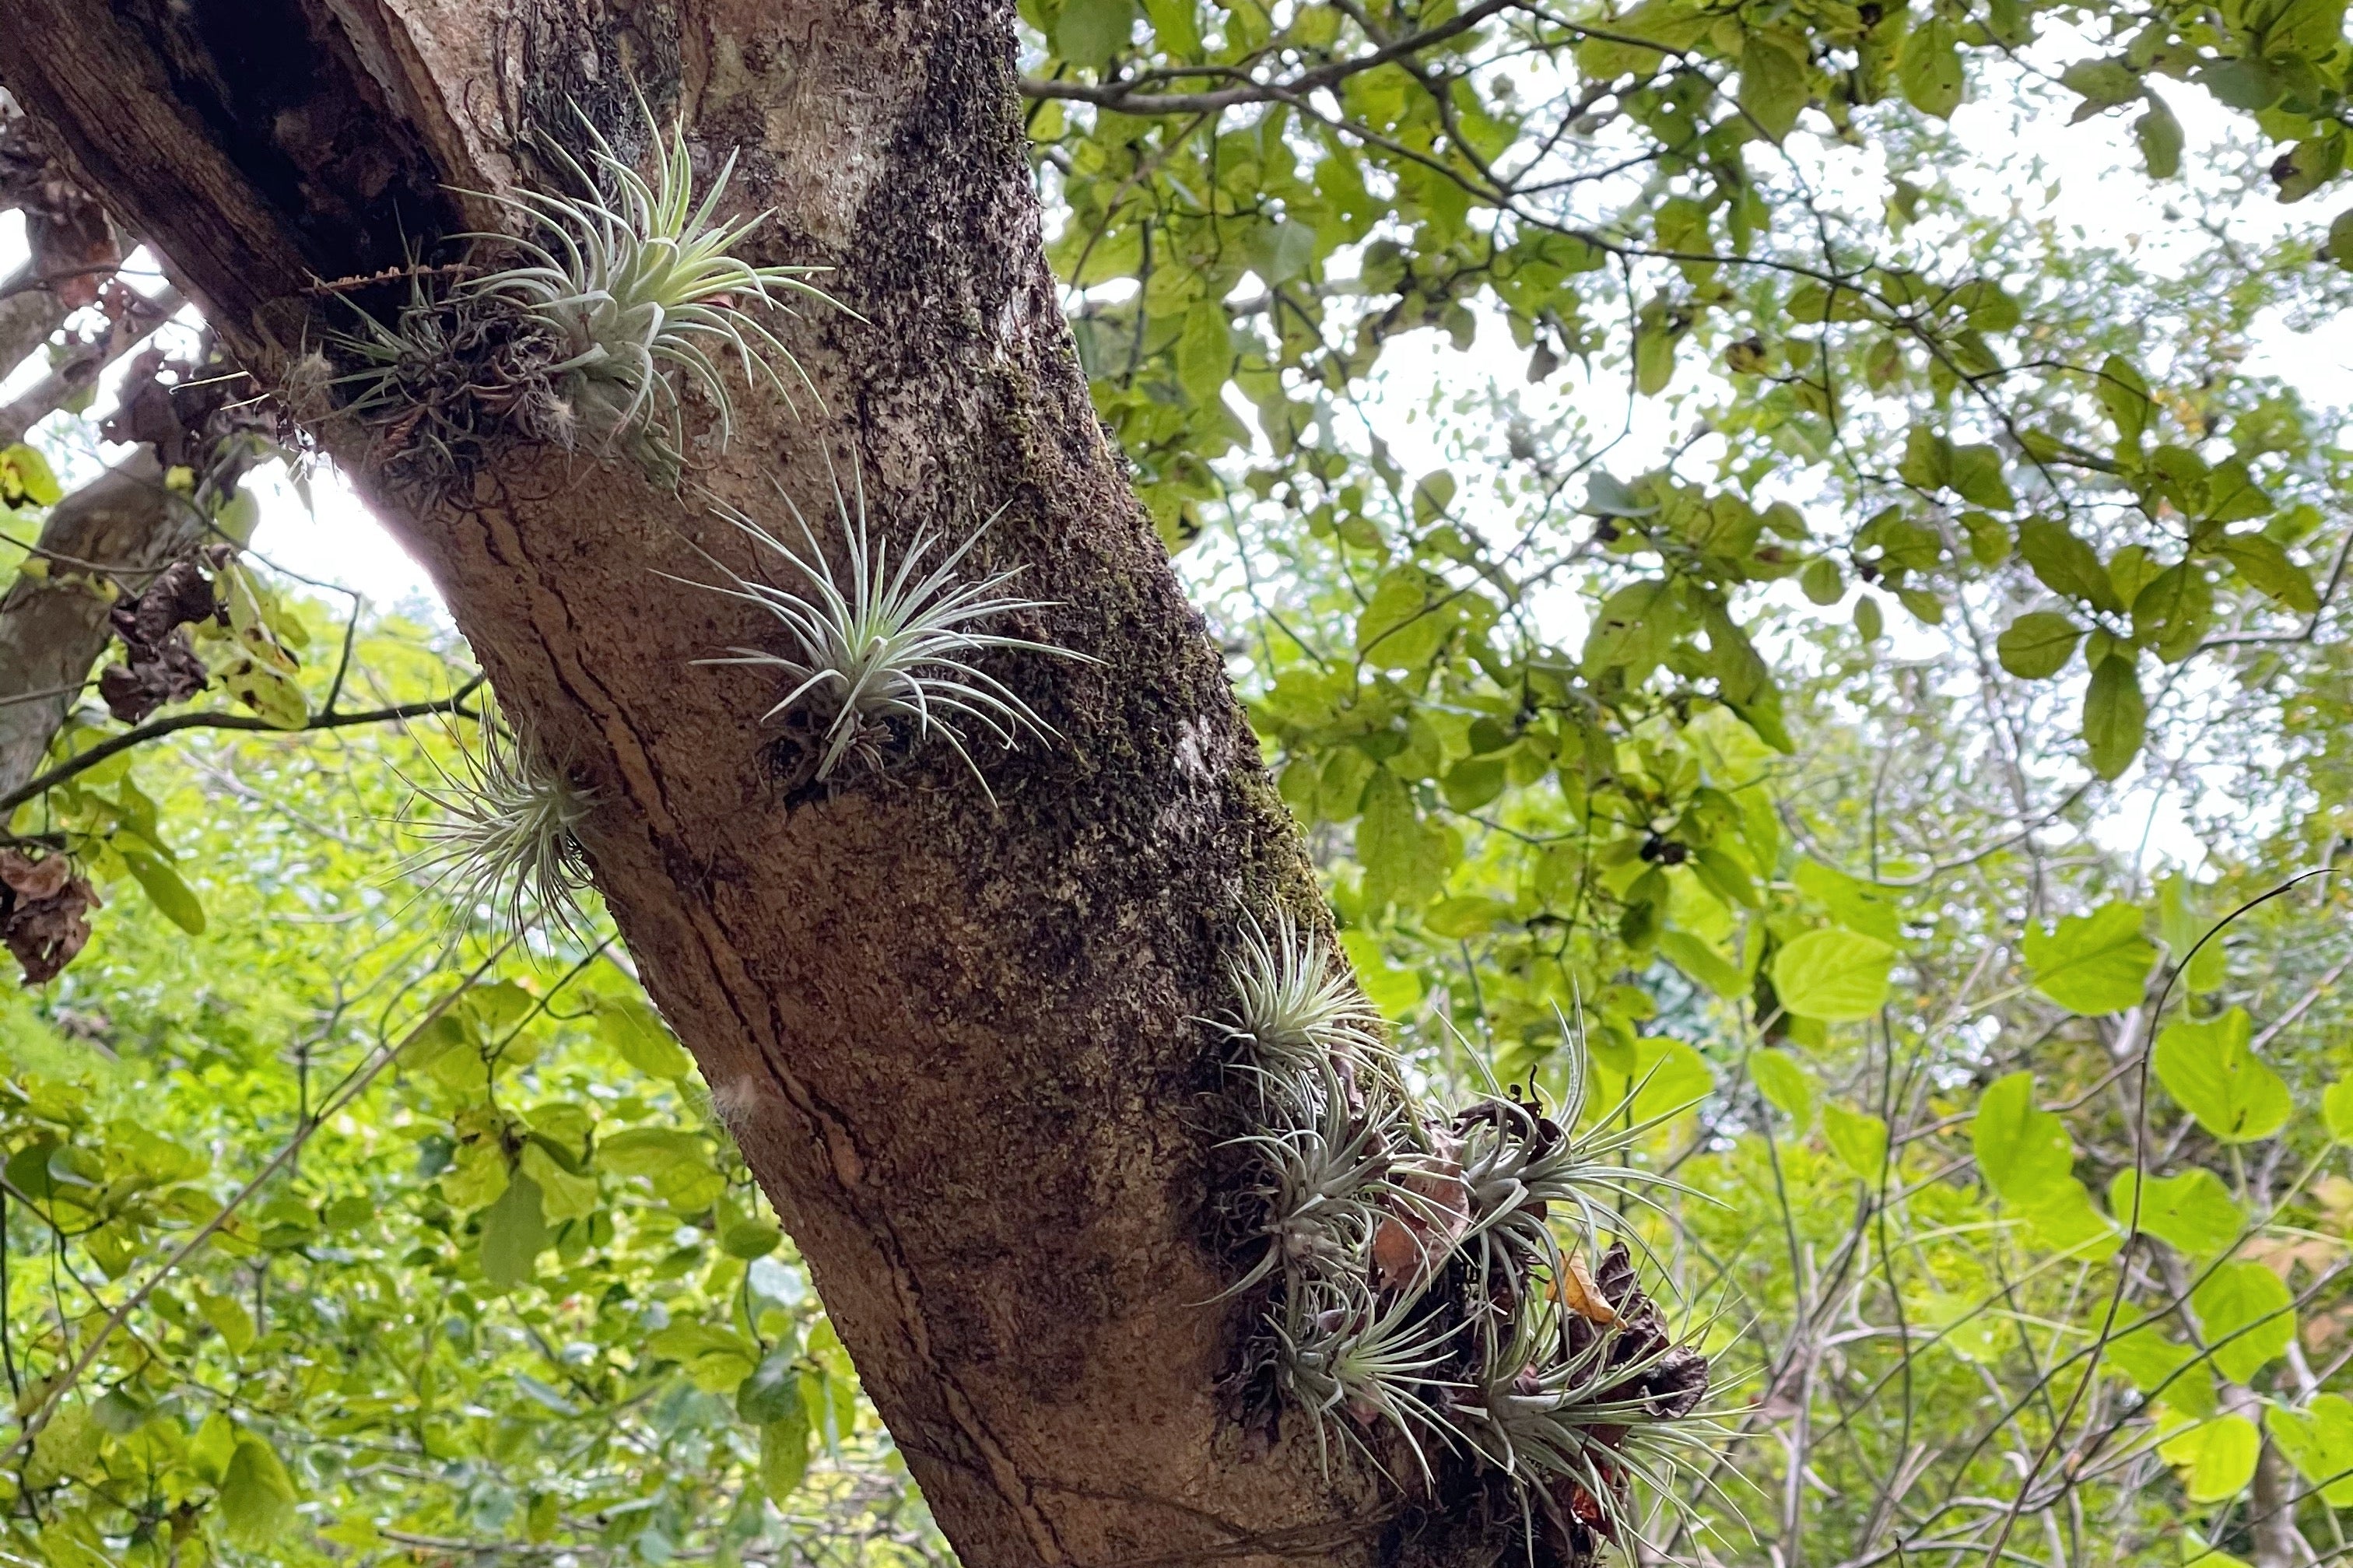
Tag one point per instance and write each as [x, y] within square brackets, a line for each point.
[872, 641]
[1578, 1413]
[504, 835]
[1349, 1363]
[1299, 1019]
[641, 278]
[1322, 1185]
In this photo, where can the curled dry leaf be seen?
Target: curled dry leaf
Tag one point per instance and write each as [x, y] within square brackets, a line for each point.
[44, 913]
[1577, 1291]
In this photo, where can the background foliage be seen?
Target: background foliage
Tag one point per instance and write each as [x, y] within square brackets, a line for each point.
[1714, 541]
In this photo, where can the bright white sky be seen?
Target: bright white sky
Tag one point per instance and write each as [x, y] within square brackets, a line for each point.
[2090, 172]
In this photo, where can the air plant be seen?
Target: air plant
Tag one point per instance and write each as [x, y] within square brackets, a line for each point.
[637, 279]
[874, 641]
[1576, 1414]
[504, 832]
[1348, 1363]
[1319, 1194]
[1297, 1018]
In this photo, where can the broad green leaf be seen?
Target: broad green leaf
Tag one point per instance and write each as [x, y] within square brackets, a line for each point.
[169, 894]
[2176, 1374]
[2192, 1212]
[1703, 963]
[2066, 1220]
[1667, 1076]
[2159, 135]
[25, 477]
[784, 1455]
[2186, 933]
[562, 1195]
[2022, 1152]
[2066, 564]
[1833, 976]
[2123, 393]
[716, 1360]
[1091, 31]
[1784, 1084]
[1772, 84]
[2211, 1072]
[1857, 1137]
[513, 1234]
[2037, 644]
[1930, 71]
[637, 1035]
[257, 1496]
[772, 1392]
[2217, 1457]
[228, 1315]
[1859, 905]
[2246, 1316]
[2264, 562]
[2115, 716]
[2092, 964]
[2337, 1109]
[2318, 1441]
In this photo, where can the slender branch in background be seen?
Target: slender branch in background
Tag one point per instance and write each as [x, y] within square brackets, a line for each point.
[82, 762]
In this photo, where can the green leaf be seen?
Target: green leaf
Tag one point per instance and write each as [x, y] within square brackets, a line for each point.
[2318, 1441]
[2173, 612]
[2037, 644]
[1976, 477]
[25, 477]
[2262, 562]
[2164, 1371]
[784, 1455]
[1703, 963]
[2066, 564]
[2336, 1110]
[1772, 85]
[2217, 1457]
[2105, 84]
[1785, 1085]
[2246, 1317]
[2192, 1212]
[562, 1194]
[228, 1316]
[772, 1392]
[2340, 240]
[1822, 582]
[2092, 964]
[637, 1035]
[1859, 905]
[513, 1234]
[2185, 931]
[1091, 31]
[2159, 135]
[166, 891]
[2115, 716]
[1930, 68]
[1833, 976]
[257, 1496]
[2211, 1072]
[2123, 393]
[1857, 1138]
[2022, 1150]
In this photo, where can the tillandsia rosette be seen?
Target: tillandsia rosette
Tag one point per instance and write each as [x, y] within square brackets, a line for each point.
[617, 292]
[1423, 1286]
[501, 829]
[881, 650]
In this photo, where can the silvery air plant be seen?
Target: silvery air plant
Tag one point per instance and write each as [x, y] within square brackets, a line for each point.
[1414, 1290]
[640, 279]
[619, 290]
[502, 835]
[874, 639]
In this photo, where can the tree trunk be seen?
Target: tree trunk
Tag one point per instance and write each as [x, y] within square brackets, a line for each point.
[953, 1037]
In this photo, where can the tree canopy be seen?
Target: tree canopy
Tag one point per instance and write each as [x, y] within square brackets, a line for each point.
[1728, 557]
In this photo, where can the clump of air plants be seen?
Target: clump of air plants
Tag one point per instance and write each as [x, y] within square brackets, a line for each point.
[876, 647]
[638, 279]
[503, 832]
[621, 289]
[1410, 1283]
[446, 382]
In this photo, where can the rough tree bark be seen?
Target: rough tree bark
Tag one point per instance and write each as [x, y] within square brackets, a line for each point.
[953, 1037]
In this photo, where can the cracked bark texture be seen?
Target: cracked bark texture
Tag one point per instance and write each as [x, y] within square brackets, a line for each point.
[952, 1040]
